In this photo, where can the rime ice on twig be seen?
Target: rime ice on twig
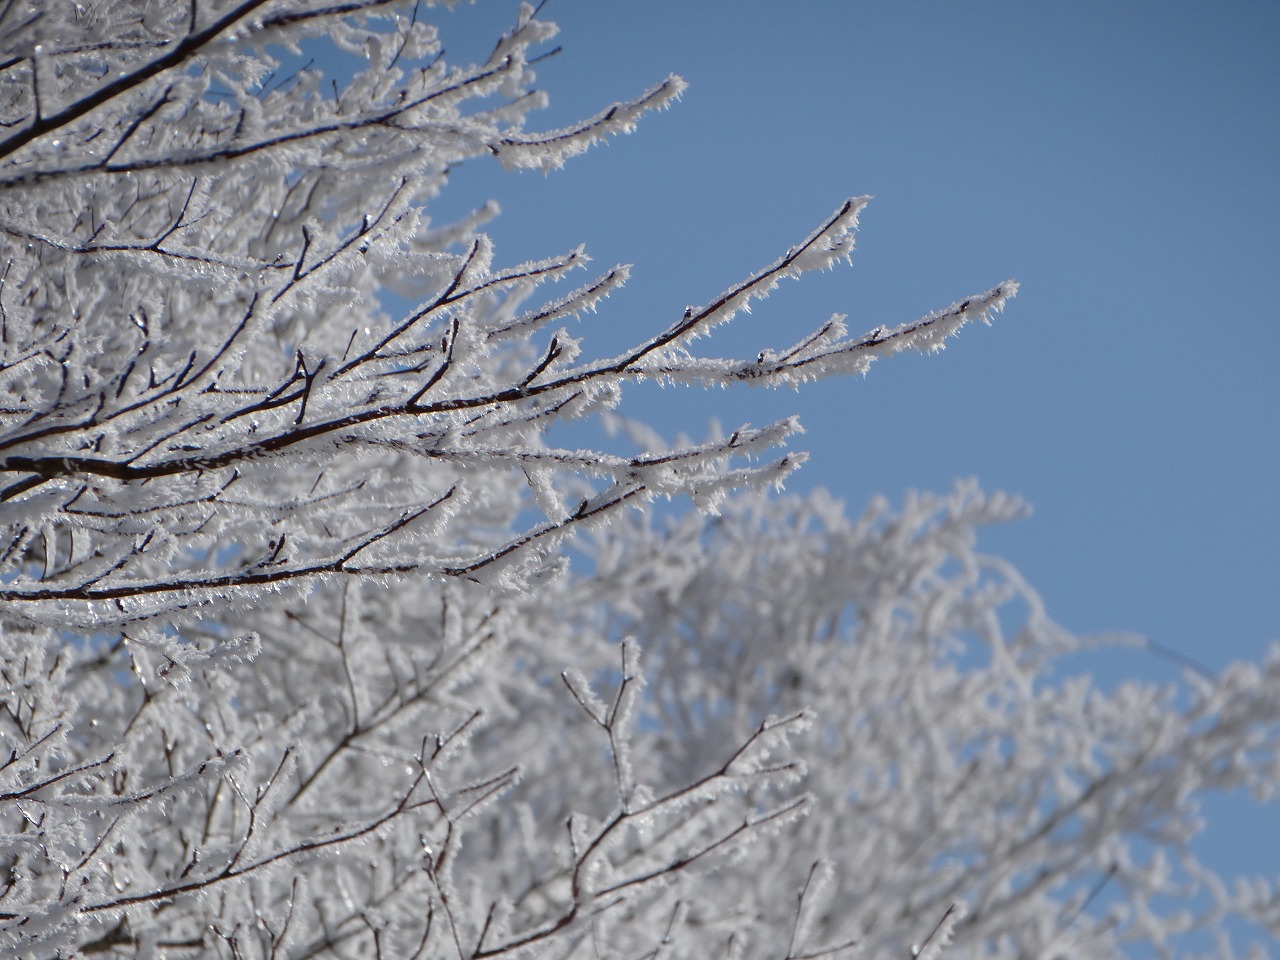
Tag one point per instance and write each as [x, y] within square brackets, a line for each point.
[194, 248]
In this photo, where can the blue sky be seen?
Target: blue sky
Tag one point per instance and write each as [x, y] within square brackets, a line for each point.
[1119, 160]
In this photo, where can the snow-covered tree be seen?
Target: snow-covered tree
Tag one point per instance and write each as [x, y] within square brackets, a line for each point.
[294, 662]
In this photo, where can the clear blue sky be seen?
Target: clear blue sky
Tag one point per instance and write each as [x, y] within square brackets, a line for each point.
[1120, 160]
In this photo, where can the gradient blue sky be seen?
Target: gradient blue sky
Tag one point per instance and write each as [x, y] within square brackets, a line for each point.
[1120, 160]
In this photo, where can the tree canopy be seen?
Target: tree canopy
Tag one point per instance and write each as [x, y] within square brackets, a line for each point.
[314, 644]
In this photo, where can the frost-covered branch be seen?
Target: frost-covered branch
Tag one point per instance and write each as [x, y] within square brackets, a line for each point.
[302, 611]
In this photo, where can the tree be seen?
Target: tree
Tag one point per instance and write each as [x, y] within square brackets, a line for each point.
[289, 670]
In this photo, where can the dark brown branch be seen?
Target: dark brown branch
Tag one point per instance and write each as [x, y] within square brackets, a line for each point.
[181, 51]
[233, 152]
[405, 805]
[450, 340]
[250, 578]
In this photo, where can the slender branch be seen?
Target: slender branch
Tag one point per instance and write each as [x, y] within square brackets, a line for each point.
[182, 51]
